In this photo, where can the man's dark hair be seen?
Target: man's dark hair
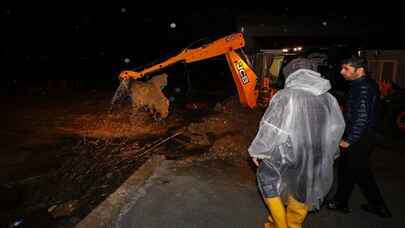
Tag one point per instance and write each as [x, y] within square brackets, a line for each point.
[356, 62]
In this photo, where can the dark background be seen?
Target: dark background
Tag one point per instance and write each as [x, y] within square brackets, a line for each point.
[87, 46]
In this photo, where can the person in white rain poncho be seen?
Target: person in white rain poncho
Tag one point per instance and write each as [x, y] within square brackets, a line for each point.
[296, 145]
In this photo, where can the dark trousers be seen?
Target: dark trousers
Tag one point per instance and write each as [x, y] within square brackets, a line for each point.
[354, 168]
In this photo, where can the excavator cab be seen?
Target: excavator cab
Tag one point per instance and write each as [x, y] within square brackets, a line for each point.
[268, 65]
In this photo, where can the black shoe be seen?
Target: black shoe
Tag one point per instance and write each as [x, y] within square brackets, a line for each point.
[339, 207]
[381, 211]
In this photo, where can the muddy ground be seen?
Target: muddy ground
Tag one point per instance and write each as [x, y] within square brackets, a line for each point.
[61, 156]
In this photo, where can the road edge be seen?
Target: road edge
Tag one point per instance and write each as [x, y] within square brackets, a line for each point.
[108, 210]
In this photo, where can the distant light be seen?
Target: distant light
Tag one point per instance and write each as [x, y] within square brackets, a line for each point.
[324, 23]
[299, 48]
[17, 222]
[127, 60]
[172, 25]
[123, 10]
[295, 49]
[242, 29]
[285, 50]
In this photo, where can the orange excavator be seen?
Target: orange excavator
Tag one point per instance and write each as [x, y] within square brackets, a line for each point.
[251, 89]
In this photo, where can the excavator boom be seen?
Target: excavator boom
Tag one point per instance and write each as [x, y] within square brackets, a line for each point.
[216, 48]
[243, 75]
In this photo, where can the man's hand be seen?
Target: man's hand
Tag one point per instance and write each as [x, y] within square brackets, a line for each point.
[256, 161]
[344, 144]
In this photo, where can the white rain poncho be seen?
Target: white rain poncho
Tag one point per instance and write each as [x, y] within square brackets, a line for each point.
[298, 140]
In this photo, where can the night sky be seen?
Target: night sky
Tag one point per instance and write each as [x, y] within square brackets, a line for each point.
[98, 42]
[62, 42]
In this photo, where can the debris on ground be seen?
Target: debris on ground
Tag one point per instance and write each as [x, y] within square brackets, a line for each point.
[227, 132]
[230, 146]
[197, 105]
[65, 209]
[123, 124]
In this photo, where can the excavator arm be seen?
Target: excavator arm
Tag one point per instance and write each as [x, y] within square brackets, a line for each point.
[244, 77]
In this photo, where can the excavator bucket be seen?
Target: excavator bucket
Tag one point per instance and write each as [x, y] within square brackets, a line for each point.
[146, 95]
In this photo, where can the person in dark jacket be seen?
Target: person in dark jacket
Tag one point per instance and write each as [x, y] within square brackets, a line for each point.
[358, 142]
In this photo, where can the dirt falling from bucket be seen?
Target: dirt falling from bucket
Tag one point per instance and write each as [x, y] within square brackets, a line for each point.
[146, 95]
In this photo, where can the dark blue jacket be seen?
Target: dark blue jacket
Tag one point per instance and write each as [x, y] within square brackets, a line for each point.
[362, 108]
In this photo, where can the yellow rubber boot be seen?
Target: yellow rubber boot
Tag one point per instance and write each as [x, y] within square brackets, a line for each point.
[278, 214]
[269, 224]
[296, 213]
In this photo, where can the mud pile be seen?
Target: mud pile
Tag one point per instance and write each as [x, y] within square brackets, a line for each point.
[226, 133]
[117, 125]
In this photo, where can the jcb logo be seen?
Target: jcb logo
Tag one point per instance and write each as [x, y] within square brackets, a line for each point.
[242, 72]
